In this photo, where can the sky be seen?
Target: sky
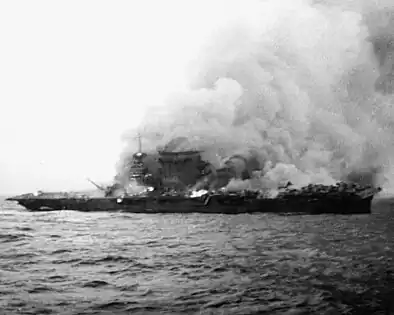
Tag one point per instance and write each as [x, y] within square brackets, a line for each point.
[276, 76]
[74, 75]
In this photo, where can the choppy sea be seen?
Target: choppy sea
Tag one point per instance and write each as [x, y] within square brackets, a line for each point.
[69, 262]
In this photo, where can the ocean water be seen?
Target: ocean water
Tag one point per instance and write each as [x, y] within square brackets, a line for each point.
[67, 262]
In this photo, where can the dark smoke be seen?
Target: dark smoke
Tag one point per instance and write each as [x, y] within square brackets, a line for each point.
[302, 89]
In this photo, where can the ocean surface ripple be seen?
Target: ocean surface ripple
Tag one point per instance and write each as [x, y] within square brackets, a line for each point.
[68, 262]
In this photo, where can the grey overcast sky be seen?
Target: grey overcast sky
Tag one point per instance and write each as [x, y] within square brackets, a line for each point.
[75, 74]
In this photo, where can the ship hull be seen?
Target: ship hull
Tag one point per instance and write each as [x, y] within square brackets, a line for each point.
[212, 204]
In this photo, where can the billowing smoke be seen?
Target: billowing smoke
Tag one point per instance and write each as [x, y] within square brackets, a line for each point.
[301, 88]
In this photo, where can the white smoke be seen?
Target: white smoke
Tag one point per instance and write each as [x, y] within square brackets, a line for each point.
[298, 85]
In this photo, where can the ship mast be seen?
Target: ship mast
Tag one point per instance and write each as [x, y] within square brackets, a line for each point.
[139, 143]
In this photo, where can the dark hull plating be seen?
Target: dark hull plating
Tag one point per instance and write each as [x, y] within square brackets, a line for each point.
[212, 204]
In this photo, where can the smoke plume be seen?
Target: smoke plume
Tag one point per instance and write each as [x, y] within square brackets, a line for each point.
[302, 88]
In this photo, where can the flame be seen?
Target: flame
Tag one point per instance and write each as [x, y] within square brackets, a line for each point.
[199, 193]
